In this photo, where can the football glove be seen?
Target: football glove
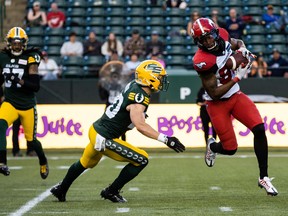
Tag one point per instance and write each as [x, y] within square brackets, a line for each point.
[175, 144]
[13, 78]
[242, 71]
[246, 53]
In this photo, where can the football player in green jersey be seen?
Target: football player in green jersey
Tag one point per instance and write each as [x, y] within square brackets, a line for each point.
[127, 111]
[19, 73]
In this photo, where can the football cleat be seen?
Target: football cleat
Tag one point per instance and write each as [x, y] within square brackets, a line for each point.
[114, 197]
[266, 183]
[44, 171]
[58, 192]
[4, 169]
[210, 156]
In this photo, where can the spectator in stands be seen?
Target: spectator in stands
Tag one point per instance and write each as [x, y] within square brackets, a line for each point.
[174, 4]
[269, 17]
[234, 24]
[193, 17]
[36, 17]
[72, 47]
[112, 44]
[158, 57]
[135, 44]
[55, 17]
[259, 67]
[48, 68]
[278, 22]
[131, 64]
[277, 65]
[155, 45]
[218, 21]
[92, 46]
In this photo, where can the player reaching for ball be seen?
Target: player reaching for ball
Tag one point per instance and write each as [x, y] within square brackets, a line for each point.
[224, 97]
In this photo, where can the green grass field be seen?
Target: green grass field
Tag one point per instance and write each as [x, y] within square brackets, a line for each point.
[172, 184]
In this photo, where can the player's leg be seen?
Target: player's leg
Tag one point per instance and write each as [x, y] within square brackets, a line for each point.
[15, 138]
[220, 116]
[8, 114]
[124, 152]
[251, 118]
[29, 122]
[89, 159]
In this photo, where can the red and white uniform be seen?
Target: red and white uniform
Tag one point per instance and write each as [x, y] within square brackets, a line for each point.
[205, 61]
[234, 102]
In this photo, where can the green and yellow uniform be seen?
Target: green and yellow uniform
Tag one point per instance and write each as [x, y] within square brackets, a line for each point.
[113, 123]
[19, 101]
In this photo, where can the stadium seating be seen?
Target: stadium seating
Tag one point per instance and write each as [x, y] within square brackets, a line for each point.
[122, 16]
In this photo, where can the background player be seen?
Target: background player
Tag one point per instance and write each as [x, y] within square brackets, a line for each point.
[19, 73]
[224, 97]
[127, 111]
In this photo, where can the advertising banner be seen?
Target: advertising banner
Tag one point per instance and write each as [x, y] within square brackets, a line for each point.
[66, 126]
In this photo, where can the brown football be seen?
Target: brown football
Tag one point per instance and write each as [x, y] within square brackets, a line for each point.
[235, 60]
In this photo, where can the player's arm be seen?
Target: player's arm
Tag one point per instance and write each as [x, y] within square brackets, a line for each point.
[138, 119]
[209, 81]
[236, 44]
[33, 80]
[239, 45]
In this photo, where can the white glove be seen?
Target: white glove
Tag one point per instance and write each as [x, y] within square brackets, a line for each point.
[100, 143]
[242, 71]
[246, 53]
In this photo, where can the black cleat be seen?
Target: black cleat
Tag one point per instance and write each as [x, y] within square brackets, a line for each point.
[44, 171]
[58, 193]
[4, 169]
[113, 197]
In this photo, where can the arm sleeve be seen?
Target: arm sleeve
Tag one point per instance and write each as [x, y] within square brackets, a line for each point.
[32, 83]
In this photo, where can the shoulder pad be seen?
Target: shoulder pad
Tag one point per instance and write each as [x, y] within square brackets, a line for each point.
[34, 49]
[203, 61]
[224, 34]
[139, 98]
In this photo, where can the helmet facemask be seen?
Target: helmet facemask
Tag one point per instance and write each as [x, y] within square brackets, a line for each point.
[16, 45]
[214, 34]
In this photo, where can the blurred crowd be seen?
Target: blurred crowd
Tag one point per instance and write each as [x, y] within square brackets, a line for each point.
[136, 48]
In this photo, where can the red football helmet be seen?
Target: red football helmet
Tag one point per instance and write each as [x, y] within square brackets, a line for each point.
[205, 33]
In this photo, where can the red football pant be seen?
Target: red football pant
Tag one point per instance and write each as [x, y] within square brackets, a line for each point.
[241, 108]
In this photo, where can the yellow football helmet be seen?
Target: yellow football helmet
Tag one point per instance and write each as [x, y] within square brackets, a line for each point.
[152, 74]
[16, 40]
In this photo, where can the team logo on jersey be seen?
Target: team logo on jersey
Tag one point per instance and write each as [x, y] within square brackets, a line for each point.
[12, 61]
[200, 65]
[22, 61]
[139, 98]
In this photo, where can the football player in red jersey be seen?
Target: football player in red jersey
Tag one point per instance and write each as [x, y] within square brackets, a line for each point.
[224, 97]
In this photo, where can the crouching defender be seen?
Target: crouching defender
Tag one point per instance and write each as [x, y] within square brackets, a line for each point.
[128, 110]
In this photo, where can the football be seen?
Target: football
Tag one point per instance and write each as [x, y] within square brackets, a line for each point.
[235, 60]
